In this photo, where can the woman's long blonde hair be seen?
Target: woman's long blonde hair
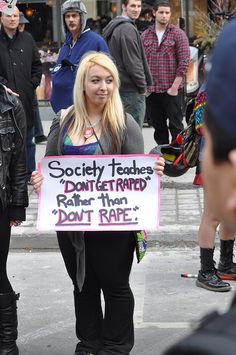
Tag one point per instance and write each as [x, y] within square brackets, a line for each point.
[113, 117]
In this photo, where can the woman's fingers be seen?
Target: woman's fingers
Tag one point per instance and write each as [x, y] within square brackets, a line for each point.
[159, 166]
[36, 181]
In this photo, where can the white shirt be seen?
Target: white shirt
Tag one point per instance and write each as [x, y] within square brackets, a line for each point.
[159, 36]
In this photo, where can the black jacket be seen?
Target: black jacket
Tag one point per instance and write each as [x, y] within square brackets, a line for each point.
[20, 68]
[13, 173]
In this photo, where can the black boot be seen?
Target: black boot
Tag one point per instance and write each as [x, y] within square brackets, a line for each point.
[8, 324]
[207, 276]
[226, 265]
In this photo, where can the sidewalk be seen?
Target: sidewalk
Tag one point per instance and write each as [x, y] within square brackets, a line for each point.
[181, 207]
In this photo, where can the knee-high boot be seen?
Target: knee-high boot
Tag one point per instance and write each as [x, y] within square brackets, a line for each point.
[226, 265]
[8, 324]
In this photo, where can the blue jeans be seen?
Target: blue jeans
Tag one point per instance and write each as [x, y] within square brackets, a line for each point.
[135, 105]
[38, 127]
[30, 149]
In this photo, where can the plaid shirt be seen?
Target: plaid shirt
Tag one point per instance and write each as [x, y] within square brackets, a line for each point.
[167, 60]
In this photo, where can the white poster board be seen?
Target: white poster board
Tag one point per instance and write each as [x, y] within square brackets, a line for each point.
[119, 192]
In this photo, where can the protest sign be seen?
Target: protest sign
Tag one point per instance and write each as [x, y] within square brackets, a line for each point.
[119, 192]
[7, 6]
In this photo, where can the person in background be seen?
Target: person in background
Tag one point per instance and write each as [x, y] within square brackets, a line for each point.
[126, 48]
[21, 71]
[216, 333]
[208, 275]
[79, 40]
[167, 51]
[13, 202]
[39, 136]
[22, 22]
[97, 124]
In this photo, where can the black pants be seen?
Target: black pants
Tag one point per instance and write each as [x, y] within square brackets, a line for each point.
[161, 107]
[5, 232]
[109, 257]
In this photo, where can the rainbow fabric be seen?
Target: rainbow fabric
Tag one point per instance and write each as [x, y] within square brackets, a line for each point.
[198, 111]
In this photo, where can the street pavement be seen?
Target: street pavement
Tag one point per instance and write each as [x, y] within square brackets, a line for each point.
[167, 306]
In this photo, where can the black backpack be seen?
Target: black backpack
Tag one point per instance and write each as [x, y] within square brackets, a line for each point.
[216, 335]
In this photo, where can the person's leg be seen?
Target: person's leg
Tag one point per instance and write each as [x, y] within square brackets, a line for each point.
[87, 303]
[89, 313]
[38, 127]
[30, 148]
[8, 298]
[174, 113]
[207, 276]
[5, 286]
[111, 254]
[226, 266]
[135, 105]
[156, 113]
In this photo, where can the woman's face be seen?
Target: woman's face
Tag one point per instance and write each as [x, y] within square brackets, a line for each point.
[99, 85]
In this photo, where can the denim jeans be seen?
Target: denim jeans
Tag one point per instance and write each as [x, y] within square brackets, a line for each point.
[135, 105]
[38, 127]
[30, 149]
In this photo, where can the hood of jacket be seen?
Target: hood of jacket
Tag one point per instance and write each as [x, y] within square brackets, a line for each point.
[117, 21]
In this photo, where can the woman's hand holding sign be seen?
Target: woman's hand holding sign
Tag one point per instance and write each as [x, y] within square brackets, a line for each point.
[159, 166]
[36, 181]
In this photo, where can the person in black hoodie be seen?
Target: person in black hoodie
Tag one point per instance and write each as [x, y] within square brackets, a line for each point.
[13, 201]
[127, 50]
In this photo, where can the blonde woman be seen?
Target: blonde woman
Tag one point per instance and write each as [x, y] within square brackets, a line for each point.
[95, 261]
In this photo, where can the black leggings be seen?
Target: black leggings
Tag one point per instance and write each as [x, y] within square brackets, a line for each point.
[5, 233]
[109, 257]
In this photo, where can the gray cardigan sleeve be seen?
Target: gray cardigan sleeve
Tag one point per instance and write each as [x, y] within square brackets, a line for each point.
[133, 140]
[53, 137]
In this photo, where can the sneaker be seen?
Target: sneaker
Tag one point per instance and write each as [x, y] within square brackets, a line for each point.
[211, 281]
[40, 139]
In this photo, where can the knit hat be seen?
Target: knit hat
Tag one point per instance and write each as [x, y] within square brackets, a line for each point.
[221, 80]
[74, 6]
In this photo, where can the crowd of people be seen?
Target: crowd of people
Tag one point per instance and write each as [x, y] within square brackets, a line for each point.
[102, 88]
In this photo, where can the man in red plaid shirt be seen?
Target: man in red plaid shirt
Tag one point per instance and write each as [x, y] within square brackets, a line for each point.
[167, 51]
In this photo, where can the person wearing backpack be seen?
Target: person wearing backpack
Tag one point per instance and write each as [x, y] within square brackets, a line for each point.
[217, 332]
[208, 275]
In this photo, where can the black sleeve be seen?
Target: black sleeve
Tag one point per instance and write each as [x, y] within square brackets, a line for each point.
[36, 68]
[17, 169]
